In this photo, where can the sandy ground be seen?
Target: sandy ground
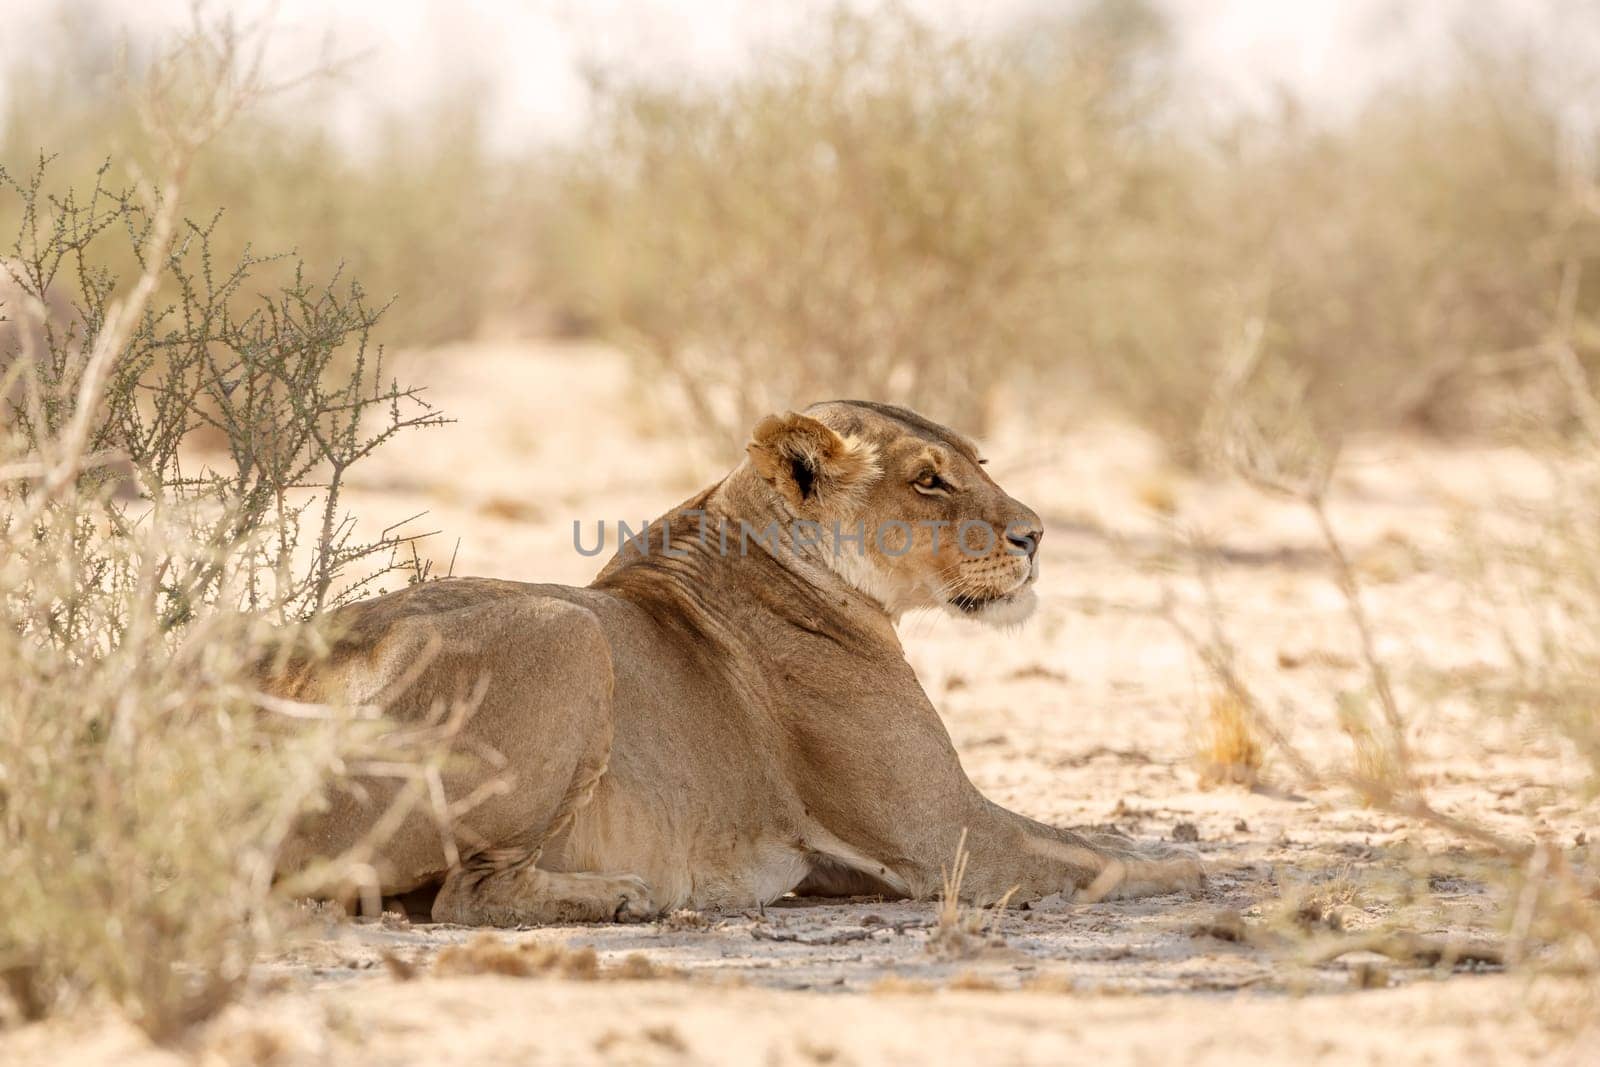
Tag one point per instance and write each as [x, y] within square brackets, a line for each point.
[1087, 716]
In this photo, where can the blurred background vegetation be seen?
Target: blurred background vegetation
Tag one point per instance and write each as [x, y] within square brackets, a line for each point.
[1031, 219]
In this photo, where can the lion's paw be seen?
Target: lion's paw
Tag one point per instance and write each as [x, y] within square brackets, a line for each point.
[1150, 871]
[634, 903]
[1183, 870]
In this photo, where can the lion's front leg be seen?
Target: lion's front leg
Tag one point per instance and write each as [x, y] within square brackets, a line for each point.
[901, 820]
[1010, 853]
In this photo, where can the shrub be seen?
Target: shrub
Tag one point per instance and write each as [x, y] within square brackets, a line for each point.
[965, 225]
[893, 214]
[1412, 260]
[145, 783]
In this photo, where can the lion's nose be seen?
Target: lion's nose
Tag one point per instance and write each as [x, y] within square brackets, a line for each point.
[1025, 539]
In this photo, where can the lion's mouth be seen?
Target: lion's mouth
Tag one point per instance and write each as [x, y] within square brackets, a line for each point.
[970, 604]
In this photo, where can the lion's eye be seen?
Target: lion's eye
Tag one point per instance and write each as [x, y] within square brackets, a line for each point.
[930, 483]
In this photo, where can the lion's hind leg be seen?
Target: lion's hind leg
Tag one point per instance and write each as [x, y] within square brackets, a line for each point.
[488, 891]
[551, 720]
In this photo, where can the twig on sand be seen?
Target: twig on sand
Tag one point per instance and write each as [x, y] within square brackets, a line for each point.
[841, 937]
[1403, 946]
[1418, 950]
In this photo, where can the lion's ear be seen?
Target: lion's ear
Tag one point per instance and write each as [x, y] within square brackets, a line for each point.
[806, 461]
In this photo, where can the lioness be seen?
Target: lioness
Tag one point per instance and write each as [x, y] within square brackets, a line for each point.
[722, 717]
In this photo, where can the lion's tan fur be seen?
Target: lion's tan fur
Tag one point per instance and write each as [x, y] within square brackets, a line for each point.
[703, 728]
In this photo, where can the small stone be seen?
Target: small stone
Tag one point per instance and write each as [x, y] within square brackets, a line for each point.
[1186, 832]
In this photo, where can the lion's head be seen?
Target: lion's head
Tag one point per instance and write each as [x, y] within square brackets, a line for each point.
[905, 511]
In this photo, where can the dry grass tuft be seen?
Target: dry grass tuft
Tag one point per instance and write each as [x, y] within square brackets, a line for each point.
[962, 931]
[1052, 982]
[1226, 925]
[1373, 755]
[399, 968]
[666, 1036]
[644, 1046]
[973, 982]
[639, 967]
[488, 954]
[512, 509]
[1368, 975]
[1317, 905]
[815, 1052]
[253, 1044]
[891, 984]
[1158, 493]
[1230, 751]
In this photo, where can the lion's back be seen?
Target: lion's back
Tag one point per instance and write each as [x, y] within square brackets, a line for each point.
[363, 648]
